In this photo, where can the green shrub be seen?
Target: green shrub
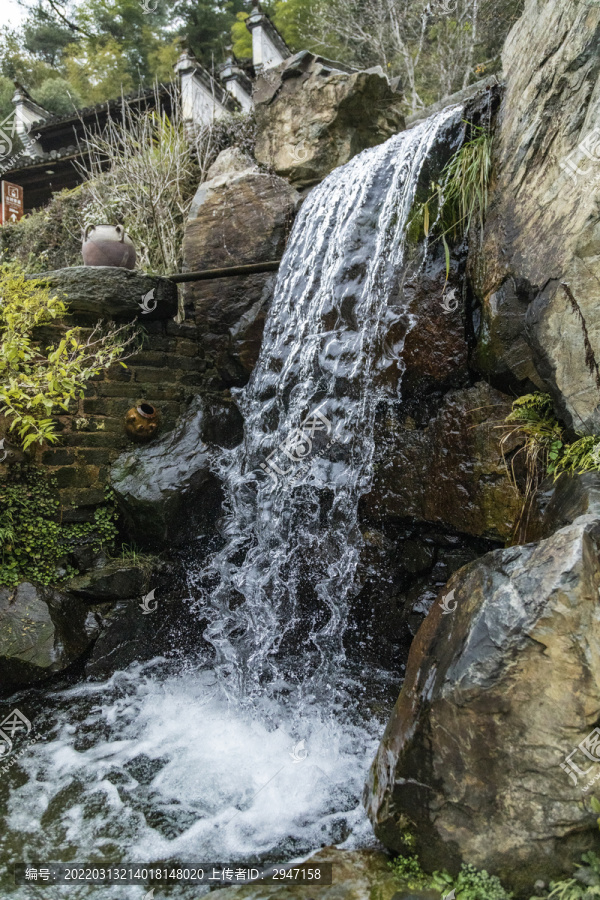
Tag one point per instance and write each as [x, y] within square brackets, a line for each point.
[58, 96]
[34, 543]
[49, 238]
[469, 884]
[36, 382]
[533, 416]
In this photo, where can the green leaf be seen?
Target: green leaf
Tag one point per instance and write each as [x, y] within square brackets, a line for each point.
[447, 254]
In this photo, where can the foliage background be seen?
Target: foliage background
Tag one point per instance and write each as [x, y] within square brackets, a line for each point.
[83, 52]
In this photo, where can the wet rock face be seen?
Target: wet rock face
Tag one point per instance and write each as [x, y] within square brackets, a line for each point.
[113, 581]
[131, 635]
[42, 631]
[447, 468]
[314, 115]
[426, 347]
[166, 490]
[542, 228]
[239, 215]
[497, 694]
[403, 569]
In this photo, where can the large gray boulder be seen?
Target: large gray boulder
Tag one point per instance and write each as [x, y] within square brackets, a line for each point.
[115, 580]
[42, 632]
[543, 228]
[314, 115]
[499, 695]
[166, 490]
[240, 214]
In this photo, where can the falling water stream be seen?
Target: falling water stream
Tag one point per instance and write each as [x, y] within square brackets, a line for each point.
[261, 755]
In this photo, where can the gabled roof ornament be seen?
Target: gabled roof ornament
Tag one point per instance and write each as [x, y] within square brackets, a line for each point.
[268, 46]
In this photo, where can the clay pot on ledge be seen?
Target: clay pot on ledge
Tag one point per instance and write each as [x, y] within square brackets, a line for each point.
[141, 422]
[108, 245]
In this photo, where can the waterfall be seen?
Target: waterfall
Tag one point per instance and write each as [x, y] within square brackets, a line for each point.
[285, 576]
[263, 759]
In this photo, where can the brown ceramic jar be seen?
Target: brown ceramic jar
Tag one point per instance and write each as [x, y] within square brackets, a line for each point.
[141, 422]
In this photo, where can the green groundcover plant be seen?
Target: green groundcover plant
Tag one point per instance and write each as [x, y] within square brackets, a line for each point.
[546, 442]
[545, 450]
[35, 545]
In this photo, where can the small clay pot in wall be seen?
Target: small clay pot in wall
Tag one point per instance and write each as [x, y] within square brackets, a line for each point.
[108, 245]
[10, 453]
[141, 422]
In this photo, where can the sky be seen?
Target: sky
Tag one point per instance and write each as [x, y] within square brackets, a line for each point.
[12, 13]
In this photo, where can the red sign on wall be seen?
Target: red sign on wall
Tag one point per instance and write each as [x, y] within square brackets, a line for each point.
[11, 207]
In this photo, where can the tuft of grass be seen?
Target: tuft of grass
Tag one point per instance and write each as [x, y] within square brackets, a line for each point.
[131, 556]
[461, 195]
[546, 450]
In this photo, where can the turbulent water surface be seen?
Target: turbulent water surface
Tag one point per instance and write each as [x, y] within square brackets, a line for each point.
[261, 755]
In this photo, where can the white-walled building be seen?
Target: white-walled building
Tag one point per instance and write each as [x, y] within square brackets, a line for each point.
[51, 143]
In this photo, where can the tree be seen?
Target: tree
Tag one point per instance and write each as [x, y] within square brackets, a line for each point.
[207, 26]
[241, 37]
[100, 47]
[58, 96]
[46, 37]
[7, 90]
[17, 64]
[97, 72]
[436, 46]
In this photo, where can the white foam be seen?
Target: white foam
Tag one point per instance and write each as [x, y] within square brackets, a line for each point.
[226, 785]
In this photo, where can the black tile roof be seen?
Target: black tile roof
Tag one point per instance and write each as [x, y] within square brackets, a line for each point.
[87, 112]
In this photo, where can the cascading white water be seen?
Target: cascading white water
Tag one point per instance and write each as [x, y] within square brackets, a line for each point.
[160, 764]
[293, 541]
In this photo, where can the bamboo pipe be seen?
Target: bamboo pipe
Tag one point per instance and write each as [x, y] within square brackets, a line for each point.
[226, 272]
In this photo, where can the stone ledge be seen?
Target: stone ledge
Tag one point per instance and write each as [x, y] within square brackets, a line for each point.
[109, 292]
